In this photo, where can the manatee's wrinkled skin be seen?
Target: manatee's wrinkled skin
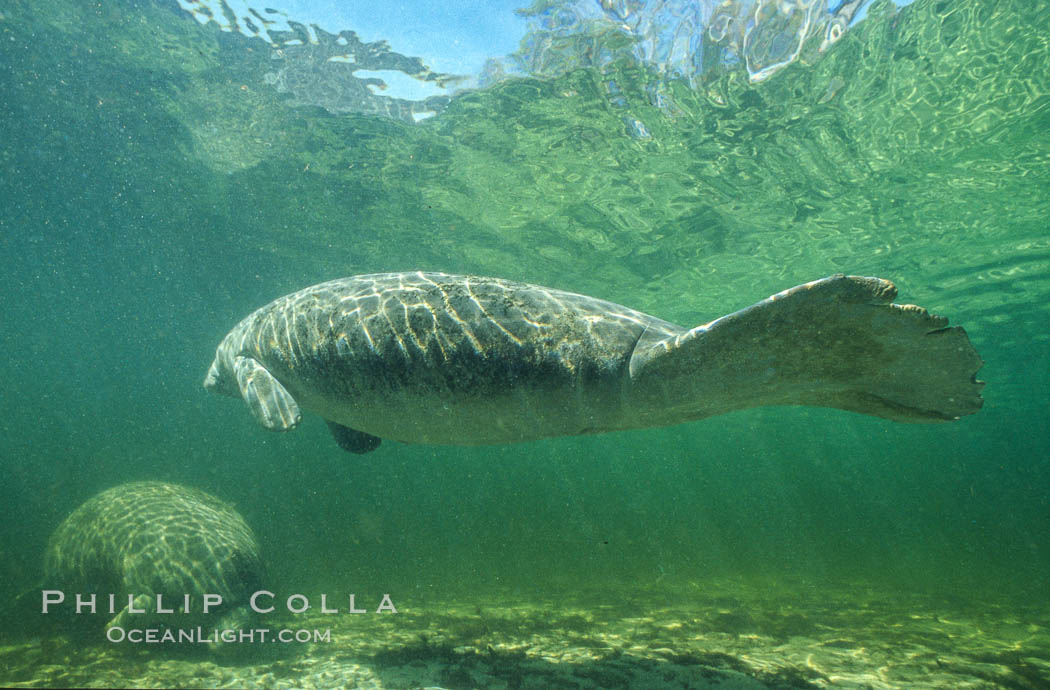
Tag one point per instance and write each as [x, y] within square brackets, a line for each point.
[148, 538]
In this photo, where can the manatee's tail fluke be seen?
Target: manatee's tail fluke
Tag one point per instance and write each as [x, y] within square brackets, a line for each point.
[837, 342]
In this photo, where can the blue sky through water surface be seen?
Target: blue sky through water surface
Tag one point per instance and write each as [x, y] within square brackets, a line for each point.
[451, 36]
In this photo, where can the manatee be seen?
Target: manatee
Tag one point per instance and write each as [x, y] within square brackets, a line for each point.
[148, 538]
[447, 359]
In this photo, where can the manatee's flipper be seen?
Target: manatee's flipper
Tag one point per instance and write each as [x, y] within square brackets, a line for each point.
[273, 406]
[836, 342]
[353, 440]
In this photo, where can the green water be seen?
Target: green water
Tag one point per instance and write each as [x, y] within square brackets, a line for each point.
[154, 190]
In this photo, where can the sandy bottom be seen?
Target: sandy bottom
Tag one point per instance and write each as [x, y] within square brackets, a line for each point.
[718, 635]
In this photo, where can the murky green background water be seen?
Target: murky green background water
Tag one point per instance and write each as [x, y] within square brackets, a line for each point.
[154, 189]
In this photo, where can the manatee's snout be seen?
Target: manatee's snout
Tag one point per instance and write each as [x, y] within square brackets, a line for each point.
[211, 379]
[216, 382]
